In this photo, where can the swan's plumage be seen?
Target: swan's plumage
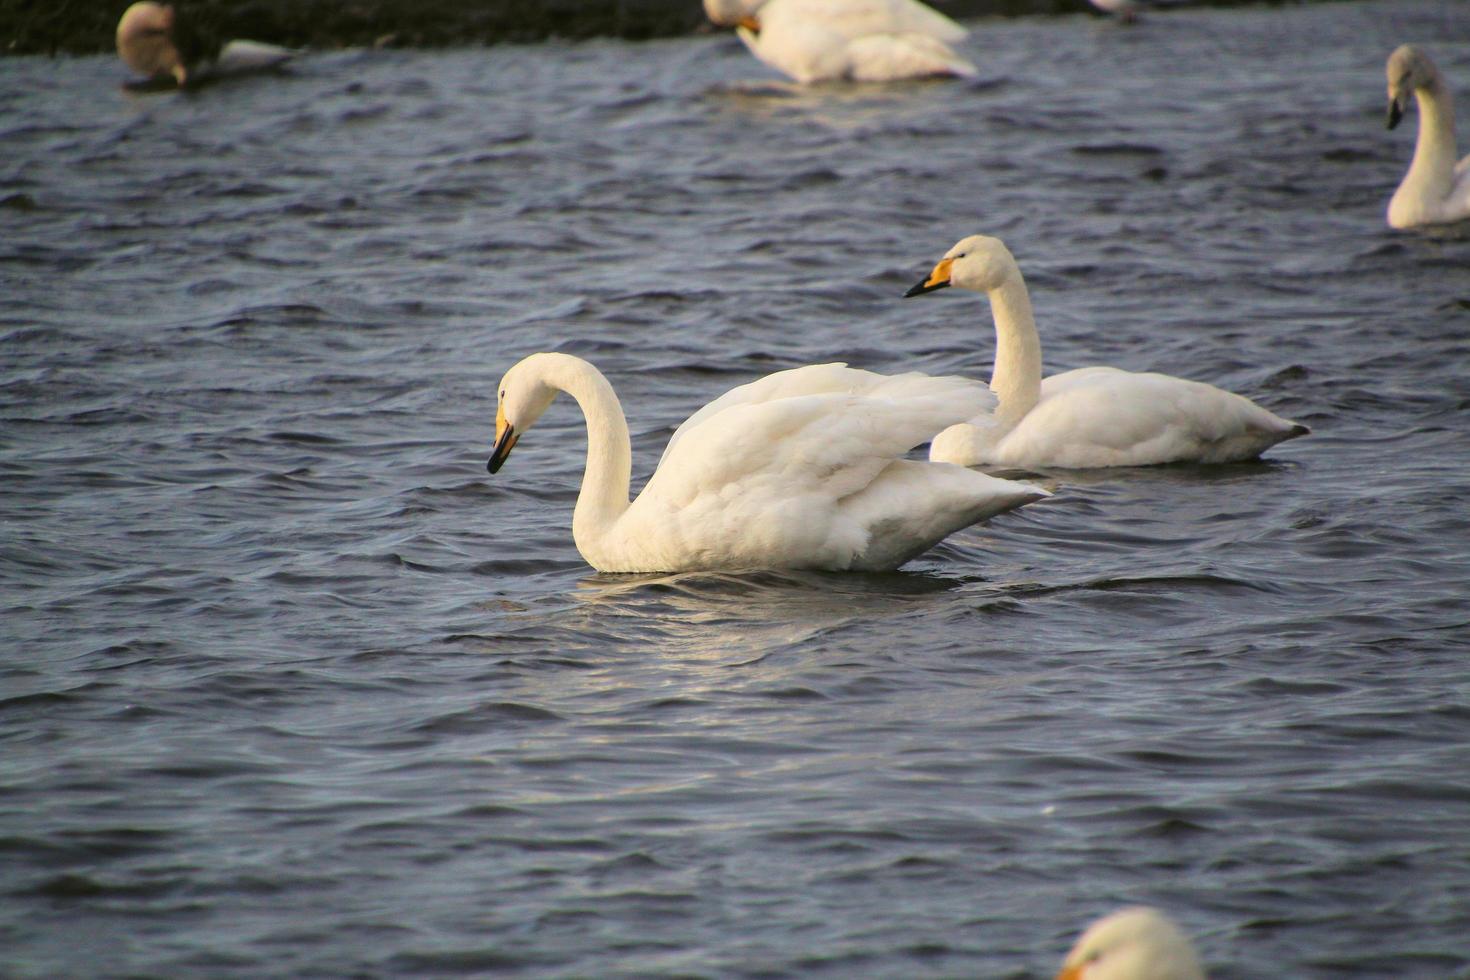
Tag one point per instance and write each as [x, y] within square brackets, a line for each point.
[1092, 416]
[861, 40]
[1436, 188]
[159, 42]
[1132, 944]
[797, 473]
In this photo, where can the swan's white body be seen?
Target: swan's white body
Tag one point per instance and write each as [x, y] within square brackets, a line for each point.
[145, 42]
[861, 40]
[1132, 944]
[1093, 416]
[802, 469]
[1436, 190]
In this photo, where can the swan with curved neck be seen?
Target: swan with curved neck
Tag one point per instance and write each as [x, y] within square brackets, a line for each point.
[1132, 944]
[802, 469]
[157, 41]
[1436, 190]
[860, 40]
[1092, 416]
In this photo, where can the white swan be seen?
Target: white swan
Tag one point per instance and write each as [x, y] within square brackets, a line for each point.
[861, 40]
[1436, 189]
[1132, 944]
[156, 41]
[802, 469]
[1093, 416]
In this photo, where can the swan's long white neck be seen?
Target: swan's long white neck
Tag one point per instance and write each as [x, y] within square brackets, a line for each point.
[1433, 168]
[604, 495]
[1016, 379]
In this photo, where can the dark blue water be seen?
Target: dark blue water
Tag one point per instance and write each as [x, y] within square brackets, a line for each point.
[291, 687]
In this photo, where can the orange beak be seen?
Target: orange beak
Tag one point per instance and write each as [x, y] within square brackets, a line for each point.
[938, 279]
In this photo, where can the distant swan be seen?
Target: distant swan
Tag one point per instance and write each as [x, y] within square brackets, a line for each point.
[1132, 944]
[1126, 10]
[860, 40]
[1436, 189]
[801, 469]
[1093, 416]
[158, 42]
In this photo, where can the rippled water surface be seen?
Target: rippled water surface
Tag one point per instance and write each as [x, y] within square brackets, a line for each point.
[291, 687]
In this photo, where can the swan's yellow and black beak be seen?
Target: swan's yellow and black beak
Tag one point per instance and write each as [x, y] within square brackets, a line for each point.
[505, 440]
[938, 279]
[1395, 113]
[750, 23]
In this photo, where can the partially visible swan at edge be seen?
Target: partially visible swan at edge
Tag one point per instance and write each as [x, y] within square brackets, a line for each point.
[1436, 189]
[158, 42]
[861, 40]
[1132, 944]
[801, 469]
[1092, 416]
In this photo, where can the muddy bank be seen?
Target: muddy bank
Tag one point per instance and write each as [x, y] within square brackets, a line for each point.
[86, 26]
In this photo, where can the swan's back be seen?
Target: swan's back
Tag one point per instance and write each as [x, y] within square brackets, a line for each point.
[1104, 416]
[859, 18]
[838, 378]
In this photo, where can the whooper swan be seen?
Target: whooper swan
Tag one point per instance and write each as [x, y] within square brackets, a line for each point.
[1132, 944]
[860, 40]
[802, 469]
[1093, 416]
[1436, 189]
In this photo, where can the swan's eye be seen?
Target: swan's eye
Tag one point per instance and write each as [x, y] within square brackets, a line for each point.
[502, 394]
[962, 255]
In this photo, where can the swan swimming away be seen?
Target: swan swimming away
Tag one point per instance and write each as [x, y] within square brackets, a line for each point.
[1132, 944]
[158, 42]
[1436, 189]
[801, 469]
[1092, 416]
[859, 40]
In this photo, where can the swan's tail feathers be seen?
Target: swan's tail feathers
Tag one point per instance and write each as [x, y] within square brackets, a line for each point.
[913, 506]
[890, 57]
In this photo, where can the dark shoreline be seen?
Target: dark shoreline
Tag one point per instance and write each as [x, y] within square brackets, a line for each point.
[87, 26]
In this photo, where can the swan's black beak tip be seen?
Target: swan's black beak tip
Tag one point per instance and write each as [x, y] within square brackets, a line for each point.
[1394, 114]
[503, 446]
[920, 288]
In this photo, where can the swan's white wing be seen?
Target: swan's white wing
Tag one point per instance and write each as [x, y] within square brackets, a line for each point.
[820, 435]
[835, 378]
[888, 57]
[856, 18]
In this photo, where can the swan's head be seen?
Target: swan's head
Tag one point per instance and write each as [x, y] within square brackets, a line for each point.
[979, 262]
[1132, 944]
[733, 13]
[524, 396]
[1408, 69]
[145, 41]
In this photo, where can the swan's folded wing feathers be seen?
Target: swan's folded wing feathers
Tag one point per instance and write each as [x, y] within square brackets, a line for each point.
[829, 443]
[837, 378]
